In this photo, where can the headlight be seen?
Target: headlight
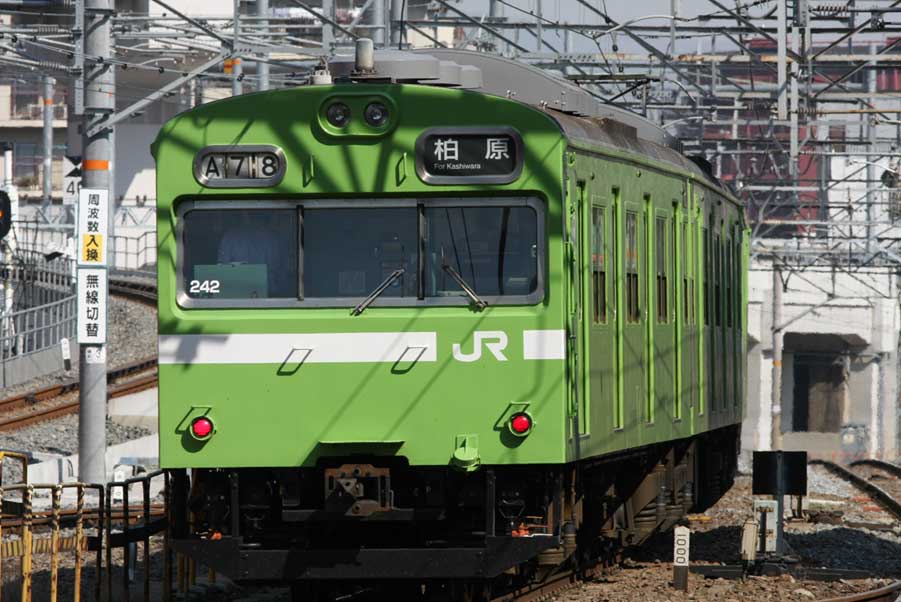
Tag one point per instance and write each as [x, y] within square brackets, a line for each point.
[338, 114]
[376, 114]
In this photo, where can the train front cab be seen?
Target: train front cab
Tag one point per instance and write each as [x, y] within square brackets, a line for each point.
[415, 435]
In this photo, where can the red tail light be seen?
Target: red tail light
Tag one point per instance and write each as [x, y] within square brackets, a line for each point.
[202, 427]
[521, 424]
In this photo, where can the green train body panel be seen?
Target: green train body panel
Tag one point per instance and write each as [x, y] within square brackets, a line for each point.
[620, 384]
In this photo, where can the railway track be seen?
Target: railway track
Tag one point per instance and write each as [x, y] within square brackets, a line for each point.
[138, 289]
[889, 593]
[57, 400]
[893, 469]
[889, 500]
[554, 586]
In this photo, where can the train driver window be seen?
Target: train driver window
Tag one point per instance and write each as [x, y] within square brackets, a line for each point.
[348, 252]
[240, 254]
[494, 250]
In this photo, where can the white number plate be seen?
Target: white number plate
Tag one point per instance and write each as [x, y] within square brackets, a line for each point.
[682, 536]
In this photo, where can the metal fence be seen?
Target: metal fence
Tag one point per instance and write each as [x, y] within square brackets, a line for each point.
[135, 254]
[132, 253]
[43, 313]
[84, 524]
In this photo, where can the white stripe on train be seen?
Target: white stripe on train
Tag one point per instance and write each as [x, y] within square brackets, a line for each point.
[350, 347]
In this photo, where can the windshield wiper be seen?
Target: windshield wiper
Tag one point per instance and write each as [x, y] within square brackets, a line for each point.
[466, 288]
[378, 291]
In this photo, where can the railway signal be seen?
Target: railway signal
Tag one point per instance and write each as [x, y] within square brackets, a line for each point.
[6, 215]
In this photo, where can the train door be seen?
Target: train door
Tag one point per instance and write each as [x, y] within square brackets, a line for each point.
[634, 368]
[740, 333]
[717, 366]
[728, 324]
[704, 343]
[602, 359]
[687, 261]
[718, 359]
[662, 324]
[576, 324]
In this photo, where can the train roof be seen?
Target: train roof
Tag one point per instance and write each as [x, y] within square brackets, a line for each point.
[541, 88]
[581, 116]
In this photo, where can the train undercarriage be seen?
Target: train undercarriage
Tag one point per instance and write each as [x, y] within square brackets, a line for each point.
[362, 519]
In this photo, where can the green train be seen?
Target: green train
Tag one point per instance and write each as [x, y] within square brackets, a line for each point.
[416, 327]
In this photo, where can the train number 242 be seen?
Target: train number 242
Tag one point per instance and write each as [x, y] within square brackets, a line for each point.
[204, 286]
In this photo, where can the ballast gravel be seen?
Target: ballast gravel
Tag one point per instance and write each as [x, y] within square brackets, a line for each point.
[60, 436]
[647, 572]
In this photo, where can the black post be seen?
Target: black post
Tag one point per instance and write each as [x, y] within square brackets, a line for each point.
[780, 501]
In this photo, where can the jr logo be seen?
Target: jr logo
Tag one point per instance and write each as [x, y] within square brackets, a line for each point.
[494, 340]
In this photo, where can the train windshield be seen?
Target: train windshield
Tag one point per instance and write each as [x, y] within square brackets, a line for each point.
[494, 249]
[328, 254]
[240, 254]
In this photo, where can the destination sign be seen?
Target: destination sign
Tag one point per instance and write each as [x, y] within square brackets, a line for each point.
[453, 156]
[240, 166]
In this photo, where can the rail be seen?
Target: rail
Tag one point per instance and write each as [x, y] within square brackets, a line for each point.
[879, 495]
[889, 593]
[881, 464]
[37, 406]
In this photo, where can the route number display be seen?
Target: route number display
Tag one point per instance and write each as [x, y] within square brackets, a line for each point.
[242, 166]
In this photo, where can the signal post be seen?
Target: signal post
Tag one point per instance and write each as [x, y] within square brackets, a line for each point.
[92, 243]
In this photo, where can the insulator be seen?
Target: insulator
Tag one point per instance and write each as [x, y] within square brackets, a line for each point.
[832, 9]
[48, 65]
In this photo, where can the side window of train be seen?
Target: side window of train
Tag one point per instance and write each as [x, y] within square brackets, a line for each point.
[685, 258]
[660, 261]
[738, 275]
[599, 264]
[717, 279]
[730, 273]
[707, 274]
[633, 314]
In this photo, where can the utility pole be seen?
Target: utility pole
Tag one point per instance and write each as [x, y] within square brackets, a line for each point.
[494, 13]
[781, 60]
[776, 431]
[673, 10]
[870, 131]
[237, 68]
[377, 18]
[198, 91]
[263, 65]
[328, 31]
[398, 16]
[99, 101]
[47, 103]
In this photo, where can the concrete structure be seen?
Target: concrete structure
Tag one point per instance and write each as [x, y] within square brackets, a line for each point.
[840, 363]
